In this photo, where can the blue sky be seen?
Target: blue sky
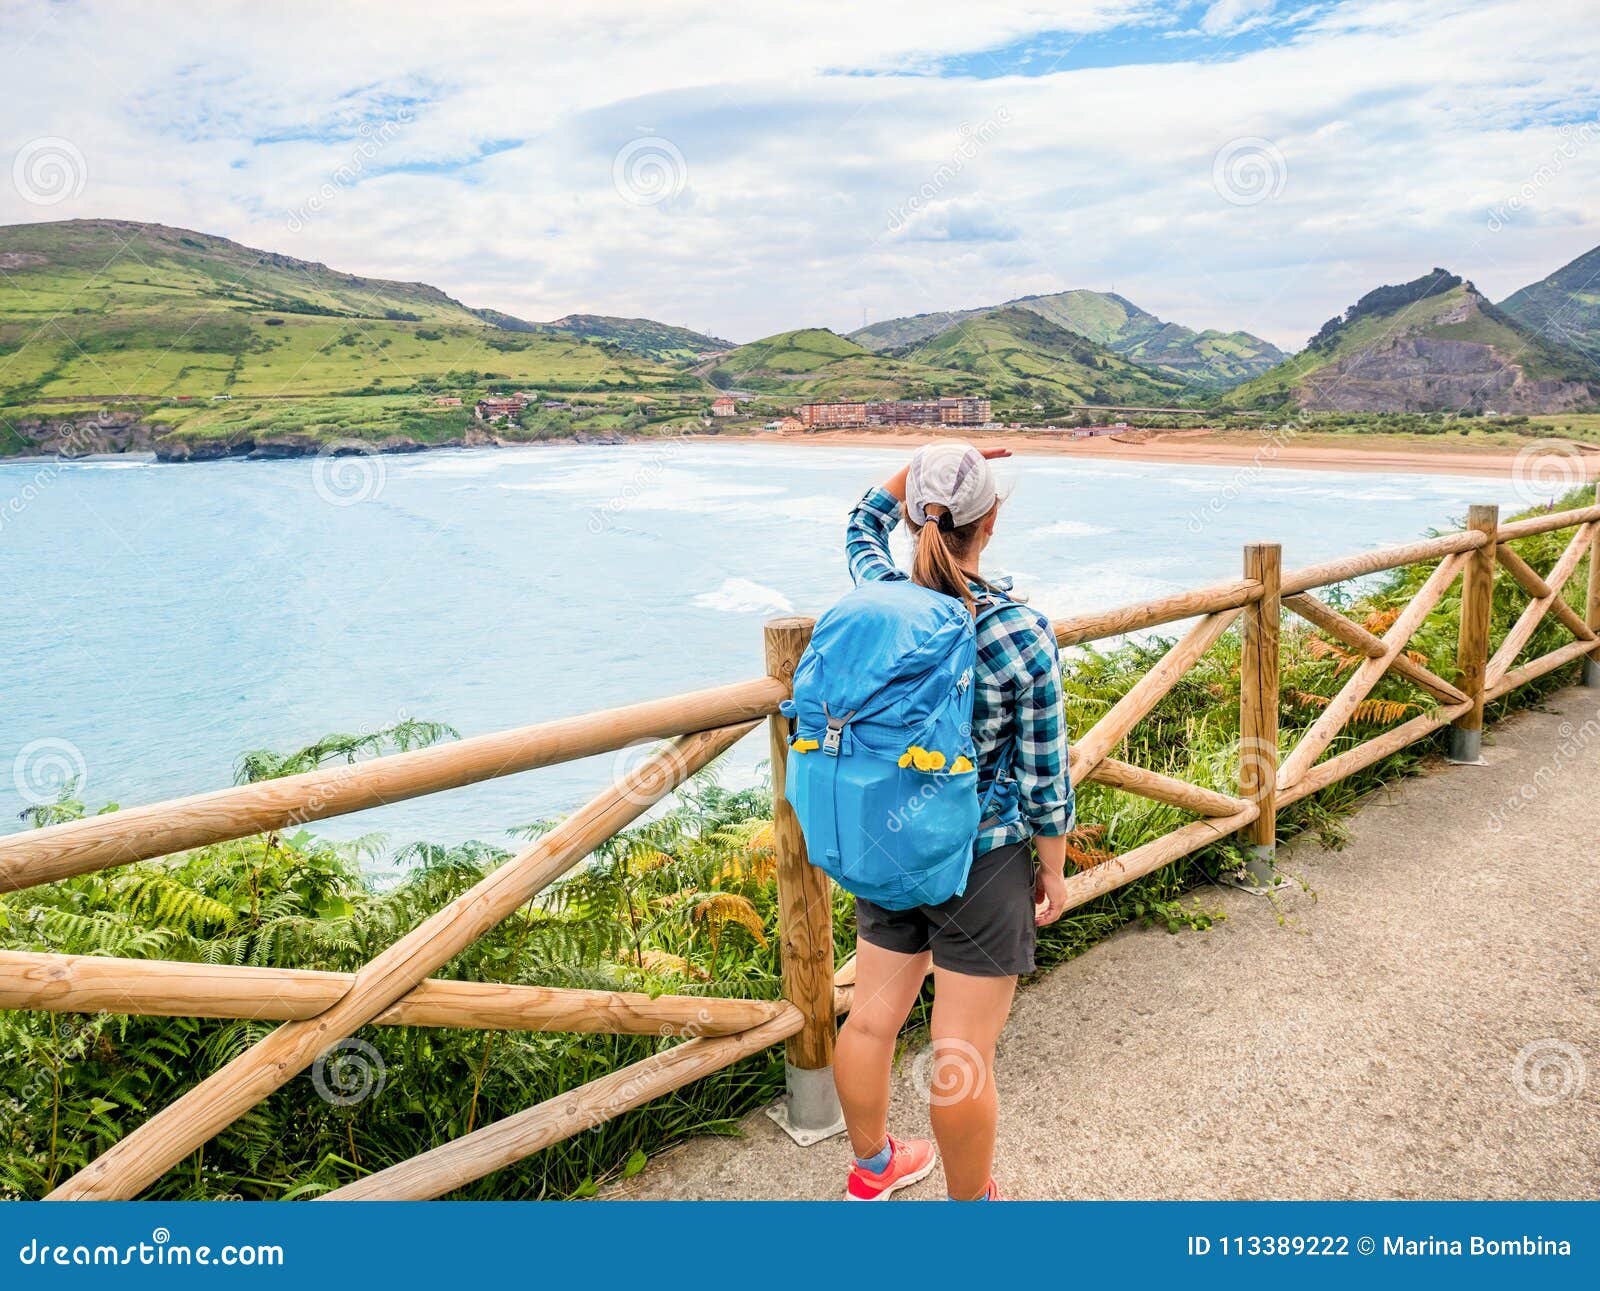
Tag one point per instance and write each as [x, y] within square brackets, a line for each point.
[1241, 164]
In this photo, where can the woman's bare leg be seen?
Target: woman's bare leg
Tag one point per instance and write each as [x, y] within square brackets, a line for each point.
[968, 1016]
[887, 985]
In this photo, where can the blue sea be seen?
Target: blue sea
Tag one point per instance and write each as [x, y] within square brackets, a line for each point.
[161, 619]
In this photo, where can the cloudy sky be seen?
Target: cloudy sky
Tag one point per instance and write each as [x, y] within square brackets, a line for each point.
[748, 168]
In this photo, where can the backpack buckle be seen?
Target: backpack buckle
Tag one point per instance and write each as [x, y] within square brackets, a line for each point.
[835, 732]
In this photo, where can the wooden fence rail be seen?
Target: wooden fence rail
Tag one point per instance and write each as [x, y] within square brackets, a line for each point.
[318, 1010]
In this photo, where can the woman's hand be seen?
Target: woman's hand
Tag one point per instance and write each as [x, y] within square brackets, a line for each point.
[1049, 895]
[1050, 884]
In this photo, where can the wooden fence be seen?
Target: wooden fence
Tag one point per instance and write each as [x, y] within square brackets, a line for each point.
[318, 1010]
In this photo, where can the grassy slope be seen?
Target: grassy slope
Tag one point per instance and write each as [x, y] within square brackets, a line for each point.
[1564, 307]
[1017, 352]
[814, 363]
[1486, 326]
[105, 311]
[661, 342]
[1210, 358]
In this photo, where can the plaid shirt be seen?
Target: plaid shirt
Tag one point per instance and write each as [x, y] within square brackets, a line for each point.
[1016, 703]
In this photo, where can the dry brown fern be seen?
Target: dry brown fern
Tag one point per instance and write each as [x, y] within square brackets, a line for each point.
[716, 912]
[664, 964]
[1322, 648]
[1081, 849]
[1378, 712]
[756, 862]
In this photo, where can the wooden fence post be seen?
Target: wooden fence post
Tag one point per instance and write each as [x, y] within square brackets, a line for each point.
[1258, 709]
[811, 1111]
[1472, 646]
[1591, 661]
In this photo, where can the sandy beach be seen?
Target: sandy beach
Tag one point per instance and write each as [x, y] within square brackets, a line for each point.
[1206, 448]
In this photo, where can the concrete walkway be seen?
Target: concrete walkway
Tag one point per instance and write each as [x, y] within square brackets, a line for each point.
[1425, 1023]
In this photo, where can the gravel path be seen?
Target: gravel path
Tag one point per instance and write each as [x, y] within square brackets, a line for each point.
[1424, 1023]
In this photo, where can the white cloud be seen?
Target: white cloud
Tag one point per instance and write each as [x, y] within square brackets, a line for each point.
[818, 177]
[1231, 15]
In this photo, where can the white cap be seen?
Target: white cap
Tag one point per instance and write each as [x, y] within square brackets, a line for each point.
[951, 474]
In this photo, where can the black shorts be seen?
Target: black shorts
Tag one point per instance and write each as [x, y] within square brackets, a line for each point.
[987, 931]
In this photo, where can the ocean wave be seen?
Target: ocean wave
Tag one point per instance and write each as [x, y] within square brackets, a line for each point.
[743, 596]
[482, 462]
[1068, 529]
[1088, 590]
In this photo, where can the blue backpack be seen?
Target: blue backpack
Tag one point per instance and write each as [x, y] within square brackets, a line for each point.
[882, 768]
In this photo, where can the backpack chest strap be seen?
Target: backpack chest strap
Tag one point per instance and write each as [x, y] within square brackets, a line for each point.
[834, 738]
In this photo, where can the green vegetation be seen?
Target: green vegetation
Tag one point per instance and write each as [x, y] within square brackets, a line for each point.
[164, 327]
[1565, 307]
[643, 336]
[1210, 360]
[1015, 353]
[684, 903]
[103, 312]
[814, 363]
[1385, 300]
[1408, 356]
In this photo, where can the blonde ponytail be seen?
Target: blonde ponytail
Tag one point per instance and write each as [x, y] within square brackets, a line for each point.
[935, 565]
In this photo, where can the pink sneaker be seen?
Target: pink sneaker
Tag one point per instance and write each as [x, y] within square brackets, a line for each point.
[908, 1162]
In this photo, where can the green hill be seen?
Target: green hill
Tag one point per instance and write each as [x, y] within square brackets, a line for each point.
[109, 312]
[1430, 345]
[1018, 353]
[1211, 359]
[814, 363]
[644, 336]
[103, 308]
[661, 342]
[1565, 307]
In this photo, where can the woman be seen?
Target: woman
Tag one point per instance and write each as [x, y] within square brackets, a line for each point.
[980, 941]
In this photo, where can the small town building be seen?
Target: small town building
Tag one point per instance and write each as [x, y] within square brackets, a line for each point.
[496, 408]
[448, 401]
[903, 412]
[724, 407]
[965, 412]
[827, 416]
